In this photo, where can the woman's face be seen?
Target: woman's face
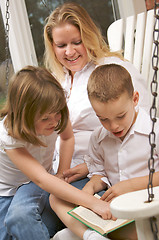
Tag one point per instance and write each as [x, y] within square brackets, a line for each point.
[68, 47]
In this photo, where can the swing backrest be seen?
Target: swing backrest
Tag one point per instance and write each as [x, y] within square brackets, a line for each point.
[134, 35]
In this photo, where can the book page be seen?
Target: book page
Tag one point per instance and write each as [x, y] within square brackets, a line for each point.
[93, 219]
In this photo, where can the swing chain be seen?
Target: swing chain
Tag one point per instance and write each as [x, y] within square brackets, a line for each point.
[153, 222]
[153, 114]
[7, 41]
[153, 109]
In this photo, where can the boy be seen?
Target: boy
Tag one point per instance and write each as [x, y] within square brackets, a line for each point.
[116, 159]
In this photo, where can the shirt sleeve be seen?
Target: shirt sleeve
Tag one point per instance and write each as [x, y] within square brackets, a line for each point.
[94, 160]
[8, 142]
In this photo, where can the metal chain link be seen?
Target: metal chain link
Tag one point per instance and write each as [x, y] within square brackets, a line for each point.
[153, 109]
[153, 222]
[153, 114]
[7, 42]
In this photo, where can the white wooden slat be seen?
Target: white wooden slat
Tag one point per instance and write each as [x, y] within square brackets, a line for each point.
[115, 35]
[148, 43]
[129, 38]
[139, 40]
[137, 44]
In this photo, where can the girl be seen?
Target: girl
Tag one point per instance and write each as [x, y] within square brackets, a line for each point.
[34, 114]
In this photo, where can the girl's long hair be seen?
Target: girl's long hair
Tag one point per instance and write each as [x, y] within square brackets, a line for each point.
[33, 92]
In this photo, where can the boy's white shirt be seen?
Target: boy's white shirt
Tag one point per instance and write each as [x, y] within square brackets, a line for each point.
[11, 177]
[118, 160]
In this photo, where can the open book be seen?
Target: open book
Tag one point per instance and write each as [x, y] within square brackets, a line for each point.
[95, 222]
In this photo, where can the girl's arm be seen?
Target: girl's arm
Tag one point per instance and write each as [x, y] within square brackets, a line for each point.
[66, 149]
[130, 185]
[37, 173]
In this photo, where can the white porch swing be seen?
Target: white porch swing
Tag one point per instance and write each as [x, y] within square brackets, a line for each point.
[134, 205]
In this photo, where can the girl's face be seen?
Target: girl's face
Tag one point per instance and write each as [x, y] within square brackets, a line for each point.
[117, 116]
[68, 47]
[46, 124]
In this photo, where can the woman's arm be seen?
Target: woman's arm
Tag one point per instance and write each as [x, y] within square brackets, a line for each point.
[78, 172]
[66, 149]
[52, 184]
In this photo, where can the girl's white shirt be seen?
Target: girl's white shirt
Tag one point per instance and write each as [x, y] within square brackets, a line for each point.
[118, 160]
[82, 116]
[11, 177]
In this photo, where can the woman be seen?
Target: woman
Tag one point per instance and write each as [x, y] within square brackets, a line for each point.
[74, 47]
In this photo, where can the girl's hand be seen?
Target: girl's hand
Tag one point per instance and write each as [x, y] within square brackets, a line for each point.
[103, 209]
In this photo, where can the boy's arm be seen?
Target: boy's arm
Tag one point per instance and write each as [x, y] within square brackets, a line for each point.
[130, 185]
[95, 185]
[66, 149]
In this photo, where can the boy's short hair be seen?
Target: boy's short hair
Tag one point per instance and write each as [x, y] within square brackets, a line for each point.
[33, 92]
[108, 82]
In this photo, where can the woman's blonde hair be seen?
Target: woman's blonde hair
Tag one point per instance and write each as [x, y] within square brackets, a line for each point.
[32, 92]
[91, 36]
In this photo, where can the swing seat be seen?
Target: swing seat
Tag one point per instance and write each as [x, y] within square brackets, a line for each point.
[134, 36]
[134, 205]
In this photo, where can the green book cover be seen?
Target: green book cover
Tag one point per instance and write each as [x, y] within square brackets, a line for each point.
[95, 222]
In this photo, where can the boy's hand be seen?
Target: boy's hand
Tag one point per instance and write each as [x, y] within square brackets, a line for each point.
[116, 190]
[78, 172]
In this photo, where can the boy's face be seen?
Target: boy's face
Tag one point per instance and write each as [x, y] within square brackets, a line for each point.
[117, 116]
